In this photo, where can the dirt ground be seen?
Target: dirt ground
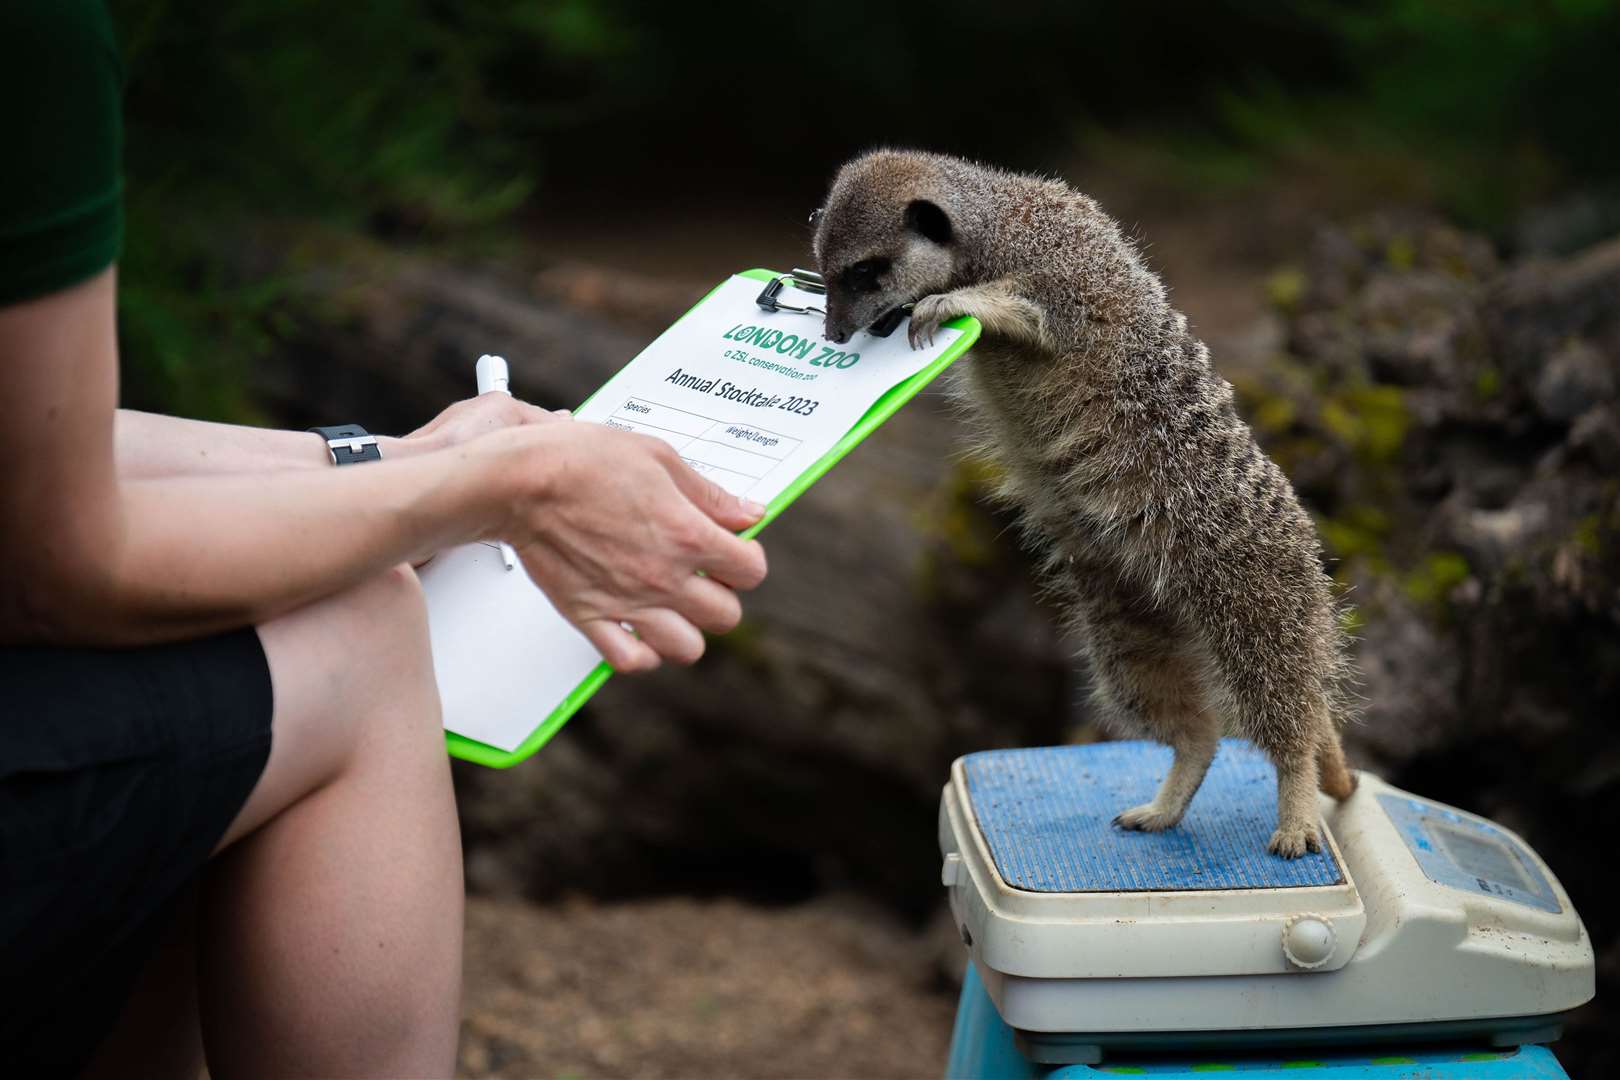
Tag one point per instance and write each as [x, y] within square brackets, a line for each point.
[701, 988]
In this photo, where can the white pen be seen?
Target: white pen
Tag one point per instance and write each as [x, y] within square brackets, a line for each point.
[493, 377]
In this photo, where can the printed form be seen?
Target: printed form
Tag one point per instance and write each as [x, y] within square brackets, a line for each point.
[749, 398]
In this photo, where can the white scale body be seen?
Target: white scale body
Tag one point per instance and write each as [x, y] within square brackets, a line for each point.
[1440, 918]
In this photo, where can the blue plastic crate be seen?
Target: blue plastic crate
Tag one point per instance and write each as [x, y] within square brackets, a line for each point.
[983, 1047]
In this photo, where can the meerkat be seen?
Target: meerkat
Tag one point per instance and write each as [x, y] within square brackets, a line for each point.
[1177, 550]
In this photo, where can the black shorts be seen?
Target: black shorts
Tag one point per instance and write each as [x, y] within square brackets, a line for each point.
[119, 772]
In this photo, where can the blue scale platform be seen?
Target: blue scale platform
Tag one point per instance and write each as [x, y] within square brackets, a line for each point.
[1047, 815]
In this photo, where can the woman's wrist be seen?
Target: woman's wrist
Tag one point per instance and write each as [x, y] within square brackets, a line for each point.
[401, 448]
[506, 471]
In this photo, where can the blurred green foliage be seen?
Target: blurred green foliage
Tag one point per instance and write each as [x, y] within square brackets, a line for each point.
[388, 116]
[429, 118]
[1498, 102]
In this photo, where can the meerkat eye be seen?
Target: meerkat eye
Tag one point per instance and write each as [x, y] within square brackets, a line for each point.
[863, 276]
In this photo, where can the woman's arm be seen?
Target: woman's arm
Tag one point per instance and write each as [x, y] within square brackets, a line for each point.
[147, 445]
[92, 557]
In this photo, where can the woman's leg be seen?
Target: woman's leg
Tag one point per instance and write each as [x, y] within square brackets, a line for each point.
[331, 916]
[330, 925]
[157, 1034]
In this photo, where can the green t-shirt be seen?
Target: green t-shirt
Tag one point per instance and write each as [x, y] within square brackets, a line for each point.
[61, 145]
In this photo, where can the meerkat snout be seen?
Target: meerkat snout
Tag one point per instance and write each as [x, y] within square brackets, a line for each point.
[878, 254]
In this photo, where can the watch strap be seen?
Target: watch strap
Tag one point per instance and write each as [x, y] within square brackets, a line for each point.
[349, 444]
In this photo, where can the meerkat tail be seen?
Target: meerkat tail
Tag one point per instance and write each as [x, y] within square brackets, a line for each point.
[1334, 776]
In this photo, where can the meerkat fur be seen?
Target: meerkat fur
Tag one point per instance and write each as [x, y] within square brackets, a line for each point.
[1176, 548]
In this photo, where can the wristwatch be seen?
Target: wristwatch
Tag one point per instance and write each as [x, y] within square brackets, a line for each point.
[349, 444]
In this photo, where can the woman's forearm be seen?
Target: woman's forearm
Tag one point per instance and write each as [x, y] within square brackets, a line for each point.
[147, 446]
[200, 553]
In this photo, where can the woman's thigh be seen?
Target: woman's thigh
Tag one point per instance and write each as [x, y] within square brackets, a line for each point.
[335, 666]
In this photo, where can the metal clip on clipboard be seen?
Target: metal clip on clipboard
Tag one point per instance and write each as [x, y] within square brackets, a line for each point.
[811, 282]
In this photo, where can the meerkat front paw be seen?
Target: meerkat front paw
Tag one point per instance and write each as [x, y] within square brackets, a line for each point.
[1291, 842]
[1148, 818]
[926, 317]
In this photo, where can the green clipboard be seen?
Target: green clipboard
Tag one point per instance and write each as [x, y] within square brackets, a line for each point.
[483, 754]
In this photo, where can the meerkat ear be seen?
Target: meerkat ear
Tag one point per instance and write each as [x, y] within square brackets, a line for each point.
[929, 220]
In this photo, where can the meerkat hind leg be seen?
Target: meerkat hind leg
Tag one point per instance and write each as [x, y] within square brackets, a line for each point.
[1297, 815]
[1335, 776]
[1194, 747]
[1144, 678]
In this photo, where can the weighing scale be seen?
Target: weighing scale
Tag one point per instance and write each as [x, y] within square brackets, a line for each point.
[1417, 925]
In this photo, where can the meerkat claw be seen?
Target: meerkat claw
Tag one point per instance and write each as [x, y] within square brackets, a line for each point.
[926, 318]
[1293, 842]
[1147, 818]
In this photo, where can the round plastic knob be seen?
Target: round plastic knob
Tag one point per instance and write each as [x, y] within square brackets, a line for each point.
[1308, 941]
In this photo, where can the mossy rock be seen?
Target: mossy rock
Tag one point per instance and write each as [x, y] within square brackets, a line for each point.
[1285, 289]
[1371, 420]
[1434, 578]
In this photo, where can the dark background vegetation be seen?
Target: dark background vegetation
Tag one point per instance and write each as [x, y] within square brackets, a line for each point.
[1388, 218]
[420, 120]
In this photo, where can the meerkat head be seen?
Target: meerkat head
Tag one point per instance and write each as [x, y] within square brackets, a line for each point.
[885, 238]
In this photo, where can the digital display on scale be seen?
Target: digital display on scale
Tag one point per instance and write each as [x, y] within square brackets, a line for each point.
[1480, 857]
[1464, 853]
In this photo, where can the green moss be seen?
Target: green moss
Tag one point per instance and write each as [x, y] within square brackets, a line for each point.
[959, 527]
[1275, 414]
[1401, 252]
[1369, 519]
[1372, 420]
[1488, 383]
[1587, 535]
[957, 519]
[1340, 421]
[1433, 579]
[1290, 454]
[1384, 419]
[1251, 392]
[1457, 267]
[1357, 536]
[1285, 289]
[976, 476]
[964, 534]
[746, 642]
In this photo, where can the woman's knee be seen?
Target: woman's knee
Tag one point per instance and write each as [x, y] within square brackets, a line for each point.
[351, 675]
[390, 689]
[370, 662]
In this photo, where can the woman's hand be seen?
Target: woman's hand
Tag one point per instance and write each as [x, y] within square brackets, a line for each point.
[619, 531]
[467, 420]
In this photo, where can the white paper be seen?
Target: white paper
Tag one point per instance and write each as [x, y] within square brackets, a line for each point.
[750, 399]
